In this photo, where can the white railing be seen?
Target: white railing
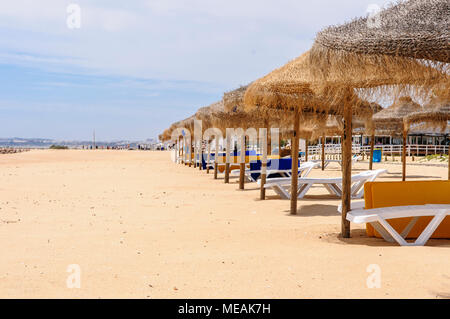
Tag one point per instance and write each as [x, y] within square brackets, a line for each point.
[391, 150]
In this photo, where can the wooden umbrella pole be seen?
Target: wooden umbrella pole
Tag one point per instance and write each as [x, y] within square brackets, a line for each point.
[200, 156]
[294, 156]
[181, 150]
[263, 141]
[194, 153]
[184, 151]
[306, 150]
[372, 146]
[323, 153]
[346, 171]
[242, 164]
[279, 144]
[227, 162]
[448, 164]
[405, 134]
[392, 151]
[208, 157]
[216, 158]
[190, 151]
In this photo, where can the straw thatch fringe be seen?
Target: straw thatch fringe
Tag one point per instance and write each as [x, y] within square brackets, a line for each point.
[408, 44]
[416, 29]
[233, 100]
[435, 115]
[391, 120]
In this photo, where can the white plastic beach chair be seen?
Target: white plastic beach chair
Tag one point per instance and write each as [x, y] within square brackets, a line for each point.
[282, 186]
[303, 170]
[377, 218]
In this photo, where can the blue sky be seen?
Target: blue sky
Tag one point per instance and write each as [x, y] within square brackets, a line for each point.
[136, 66]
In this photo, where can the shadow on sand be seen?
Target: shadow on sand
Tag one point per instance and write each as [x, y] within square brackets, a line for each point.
[399, 176]
[359, 237]
[315, 210]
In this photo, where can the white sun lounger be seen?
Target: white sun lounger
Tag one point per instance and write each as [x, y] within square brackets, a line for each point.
[282, 186]
[303, 170]
[377, 218]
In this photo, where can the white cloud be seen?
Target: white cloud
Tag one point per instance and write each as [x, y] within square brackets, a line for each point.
[223, 41]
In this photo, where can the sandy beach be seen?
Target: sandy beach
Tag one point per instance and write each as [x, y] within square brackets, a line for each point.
[140, 226]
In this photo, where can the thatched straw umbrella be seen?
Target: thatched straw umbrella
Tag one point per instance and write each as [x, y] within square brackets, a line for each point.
[234, 104]
[435, 115]
[232, 101]
[291, 88]
[187, 124]
[368, 124]
[357, 55]
[296, 87]
[216, 116]
[203, 114]
[391, 120]
[208, 116]
[244, 121]
[164, 136]
[397, 37]
[180, 140]
[335, 124]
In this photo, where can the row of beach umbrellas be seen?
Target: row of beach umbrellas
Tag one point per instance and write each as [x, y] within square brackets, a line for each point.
[404, 54]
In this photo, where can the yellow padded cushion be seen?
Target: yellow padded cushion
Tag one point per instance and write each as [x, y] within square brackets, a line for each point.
[235, 160]
[388, 194]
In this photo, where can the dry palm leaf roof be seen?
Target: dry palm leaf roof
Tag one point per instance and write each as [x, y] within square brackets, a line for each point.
[435, 115]
[165, 136]
[388, 48]
[391, 119]
[297, 85]
[415, 29]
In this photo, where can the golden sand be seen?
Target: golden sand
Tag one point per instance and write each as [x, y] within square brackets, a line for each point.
[140, 226]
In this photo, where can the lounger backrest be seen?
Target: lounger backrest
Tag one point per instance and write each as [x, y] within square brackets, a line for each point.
[281, 164]
[388, 194]
[247, 153]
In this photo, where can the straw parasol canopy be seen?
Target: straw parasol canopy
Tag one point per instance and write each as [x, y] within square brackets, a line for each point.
[397, 39]
[165, 136]
[233, 100]
[334, 126]
[296, 85]
[435, 115]
[286, 88]
[216, 116]
[187, 123]
[391, 119]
